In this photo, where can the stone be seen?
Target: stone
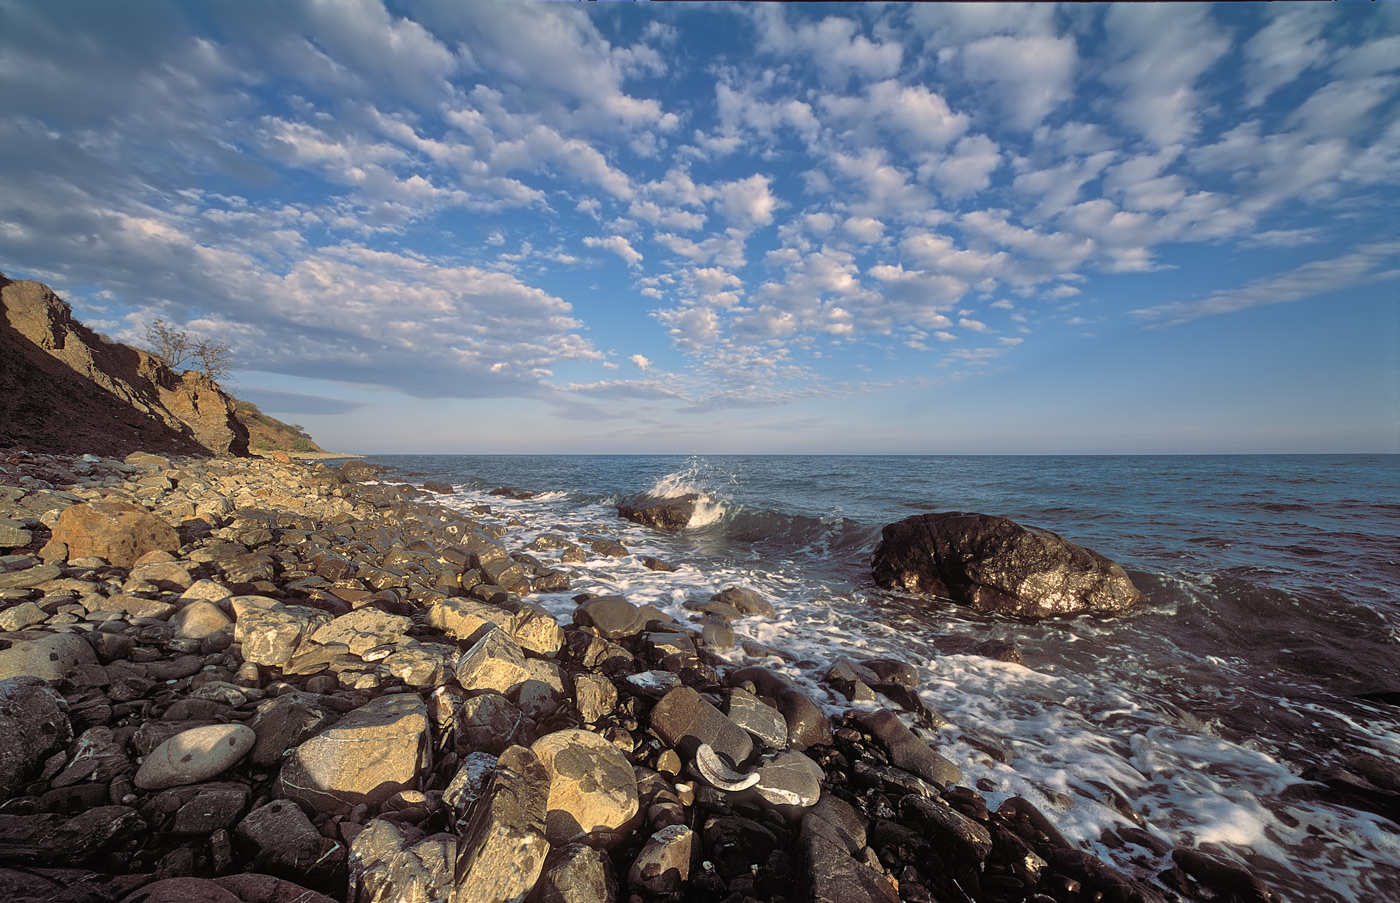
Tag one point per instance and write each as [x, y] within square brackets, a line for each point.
[372, 753]
[200, 619]
[18, 617]
[670, 514]
[13, 534]
[717, 634]
[577, 873]
[829, 871]
[50, 839]
[253, 888]
[466, 619]
[278, 837]
[97, 756]
[807, 723]
[50, 657]
[891, 670]
[285, 722]
[908, 751]
[270, 636]
[613, 617]
[747, 601]
[592, 791]
[537, 631]
[30, 577]
[118, 532]
[851, 680]
[496, 662]
[664, 865]
[34, 724]
[183, 890]
[684, 720]
[490, 723]
[950, 832]
[594, 695]
[790, 779]
[469, 784]
[388, 866]
[195, 755]
[761, 720]
[438, 486]
[217, 807]
[996, 565]
[503, 848]
[138, 607]
[363, 629]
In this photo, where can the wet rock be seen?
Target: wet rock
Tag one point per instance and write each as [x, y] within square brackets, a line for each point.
[613, 617]
[1224, 880]
[746, 601]
[195, 755]
[829, 871]
[116, 531]
[50, 657]
[503, 847]
[790, 779]
[907, 751]
[948, 830]
[577, 873]
[252, 888]
[994, 564]
[684, 720]
[33, 724]
[806, 722]
[891, 670]
[656, 564]
[765, 723]
[439, 487]
[183, 890]
[214, 807]
[669, 514]
[592, 791]
[369, 755]
[393, 864]
[851, 680]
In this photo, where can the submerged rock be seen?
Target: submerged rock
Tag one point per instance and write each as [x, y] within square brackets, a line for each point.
[670, 514]
[996, 565]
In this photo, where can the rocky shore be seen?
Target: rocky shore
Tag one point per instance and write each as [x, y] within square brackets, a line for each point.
[237, 680]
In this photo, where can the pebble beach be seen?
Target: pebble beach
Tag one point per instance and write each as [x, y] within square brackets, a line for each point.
[258, 680]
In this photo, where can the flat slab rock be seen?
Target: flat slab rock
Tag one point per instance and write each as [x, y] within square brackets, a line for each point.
[997, 565]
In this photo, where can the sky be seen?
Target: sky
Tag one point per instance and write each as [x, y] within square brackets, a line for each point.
[499, 227]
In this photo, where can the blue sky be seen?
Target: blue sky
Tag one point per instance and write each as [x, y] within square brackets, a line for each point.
[695, 228]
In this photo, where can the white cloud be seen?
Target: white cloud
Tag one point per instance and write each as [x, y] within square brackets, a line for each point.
[1282, 238]
[920, 120]
[1030, 76]
[1162, 49]
[618, 245]
[831, 44]
[1343, 108]
[747, 203]
[864, 229]
[1282, 50]
[640, 362]
[1370, 263]
[968, 169]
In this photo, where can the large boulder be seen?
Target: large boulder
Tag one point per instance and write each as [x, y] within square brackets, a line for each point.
[670, 514]
[592, 790]
[117, 531]
[34, 723]
[369, 755]
[996, 565]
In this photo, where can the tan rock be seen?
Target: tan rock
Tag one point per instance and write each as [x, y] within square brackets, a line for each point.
[195, 755]
[50, 657]
[369, 755]
[496, 662]
[199, 620]
[116, 531]
[592, 789]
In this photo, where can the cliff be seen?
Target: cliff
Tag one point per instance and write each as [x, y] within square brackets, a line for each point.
[66, 390]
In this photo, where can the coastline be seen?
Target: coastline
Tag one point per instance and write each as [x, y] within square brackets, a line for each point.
[338, 597]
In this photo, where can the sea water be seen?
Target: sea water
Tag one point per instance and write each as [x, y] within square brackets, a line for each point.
[1273, 600]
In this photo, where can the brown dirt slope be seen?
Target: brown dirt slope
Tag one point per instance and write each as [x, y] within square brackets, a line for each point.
[66, 390]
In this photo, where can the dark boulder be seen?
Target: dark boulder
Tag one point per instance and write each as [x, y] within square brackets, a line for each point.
[996, 565]
[669, 514]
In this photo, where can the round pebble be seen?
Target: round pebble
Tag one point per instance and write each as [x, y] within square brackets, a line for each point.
[195, 755]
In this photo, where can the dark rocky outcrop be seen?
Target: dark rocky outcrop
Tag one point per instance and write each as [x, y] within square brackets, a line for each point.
[670, 514]
[64, 388]
[996, 565]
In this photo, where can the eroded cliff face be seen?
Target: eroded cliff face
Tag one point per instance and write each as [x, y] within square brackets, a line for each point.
[63, 386]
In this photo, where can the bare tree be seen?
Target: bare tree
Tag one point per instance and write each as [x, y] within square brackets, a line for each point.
[214, 358]
[174, 345]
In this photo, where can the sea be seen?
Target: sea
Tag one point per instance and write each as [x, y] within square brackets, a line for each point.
[1273, 610]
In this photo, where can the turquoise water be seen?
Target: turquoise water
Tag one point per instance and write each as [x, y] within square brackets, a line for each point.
[1273, 587]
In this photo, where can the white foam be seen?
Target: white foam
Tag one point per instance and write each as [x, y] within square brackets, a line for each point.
[1069, 727]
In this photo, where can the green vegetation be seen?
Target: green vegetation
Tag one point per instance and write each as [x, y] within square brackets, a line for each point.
[268, 434]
